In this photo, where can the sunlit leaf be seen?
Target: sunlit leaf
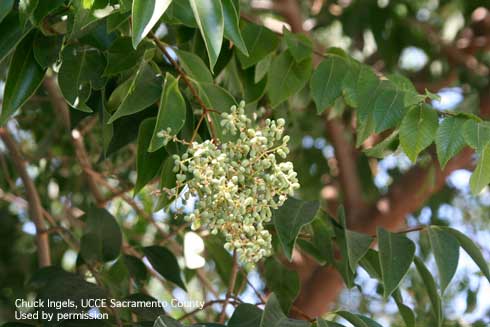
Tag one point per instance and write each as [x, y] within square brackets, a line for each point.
[145, 15]
[171, 112]
[210, 20]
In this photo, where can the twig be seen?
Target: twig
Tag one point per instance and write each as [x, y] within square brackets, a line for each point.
[206, 110]
[257, 293]
[231, 286]
[33, 199]
[301, 313]
[84, 161]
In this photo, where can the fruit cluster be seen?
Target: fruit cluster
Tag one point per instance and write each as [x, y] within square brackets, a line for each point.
[239, 183]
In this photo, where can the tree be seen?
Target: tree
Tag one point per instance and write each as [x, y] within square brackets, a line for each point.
[234, 151]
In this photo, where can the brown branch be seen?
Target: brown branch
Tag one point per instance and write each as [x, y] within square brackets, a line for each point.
[33, 199]
[348, 176]
[58, 102]
[454, 54]
[231, 286]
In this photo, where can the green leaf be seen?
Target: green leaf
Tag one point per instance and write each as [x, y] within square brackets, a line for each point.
[164, 321]
[418, 130]
[405, 312]
[359, 80]
[481, 175]
[260, 42]
[245, 315]
[273, 316]
[299, 45]
[80, 71]
[5, 8]
[396, 253]
[136, 267]
[476, 134]
[210, 20]
[219, 99]
[121, 56]
[145, 312]
[145, 15]
[55, 283]
[322, 238]
[370, 263]
[290, 218]
[262, 68]
[180, 12]
[342, 262]
[357, 246]
[10, 34]
[472, 250]
[358, 320]
[83, 19]
[249, 90]
[47, 49]
[26, 9]
[102, 239]
[168, 180]
[446, 253]
[286, 77]
[147, 163]
[411, 96]
[379, 150]
[430, 286]
[194, 67]
[232, 26]
[449, 139]
[368, 321]
[389, 108]
[44, 8]
[171, 112]
[326, 82]
[165, 263]
[282, 281]
[144, 90]
[124, 131]
[366, 128]
[324, 323]
[117, 20]
[24, 77]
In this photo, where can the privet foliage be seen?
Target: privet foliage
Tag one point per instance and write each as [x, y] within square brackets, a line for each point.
[176, 94]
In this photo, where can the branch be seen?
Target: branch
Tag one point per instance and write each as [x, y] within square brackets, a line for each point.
[33, 199]
[60, 106]
[348, 176]
[231, 287]
[453, 53]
